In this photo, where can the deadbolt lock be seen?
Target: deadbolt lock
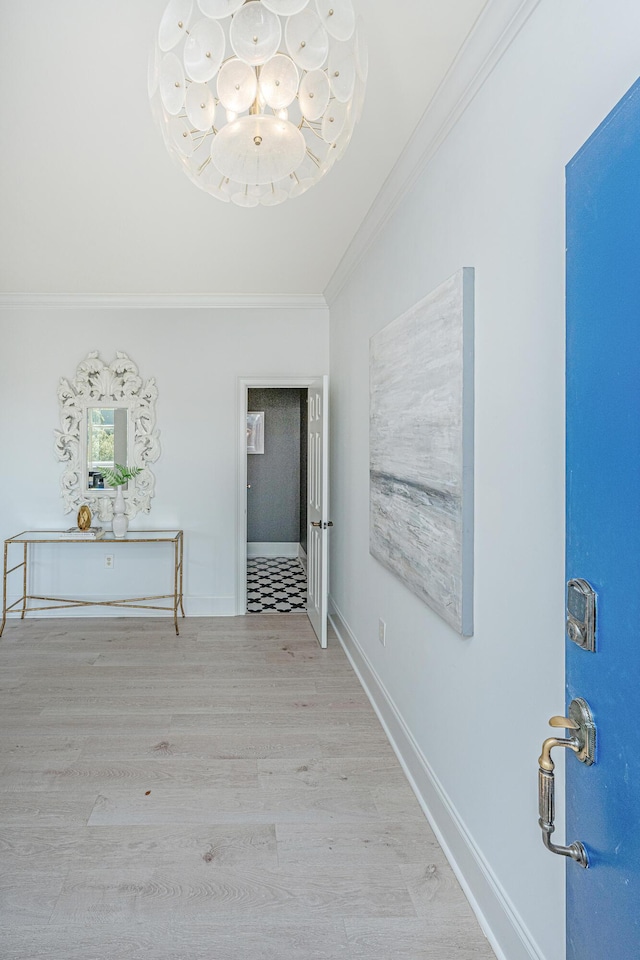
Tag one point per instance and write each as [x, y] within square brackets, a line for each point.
[581, 614]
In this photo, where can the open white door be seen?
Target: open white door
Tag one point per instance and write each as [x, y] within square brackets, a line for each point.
[318, 509]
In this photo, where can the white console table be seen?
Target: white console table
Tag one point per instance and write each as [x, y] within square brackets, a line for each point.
[29, 539]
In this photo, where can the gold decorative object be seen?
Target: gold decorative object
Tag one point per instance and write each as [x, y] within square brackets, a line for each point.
[84, 518]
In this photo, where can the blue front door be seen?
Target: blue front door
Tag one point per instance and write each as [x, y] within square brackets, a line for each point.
[603, 529]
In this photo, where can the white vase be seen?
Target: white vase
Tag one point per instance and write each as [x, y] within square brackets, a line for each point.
[120, 521]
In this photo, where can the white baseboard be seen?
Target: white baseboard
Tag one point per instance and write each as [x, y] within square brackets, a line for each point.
[274, 549]
[302, 555]
[210, 606]
[500, 921]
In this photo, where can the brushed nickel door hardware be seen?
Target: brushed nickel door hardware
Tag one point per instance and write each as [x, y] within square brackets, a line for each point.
[319, 523]
[583, 743]
[581, 614]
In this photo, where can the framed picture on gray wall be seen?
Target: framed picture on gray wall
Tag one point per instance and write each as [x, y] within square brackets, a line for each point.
[421, 449]
[255, 432]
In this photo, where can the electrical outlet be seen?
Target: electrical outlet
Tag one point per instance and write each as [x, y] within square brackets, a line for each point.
[108, 561]
[382, 632]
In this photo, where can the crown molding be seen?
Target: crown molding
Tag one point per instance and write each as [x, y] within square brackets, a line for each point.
[493, 33]
[141, 301]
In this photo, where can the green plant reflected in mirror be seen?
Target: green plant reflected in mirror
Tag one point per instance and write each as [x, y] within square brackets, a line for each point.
[107, 429]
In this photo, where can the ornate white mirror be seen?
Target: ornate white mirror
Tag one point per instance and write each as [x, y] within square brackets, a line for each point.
[107, 416]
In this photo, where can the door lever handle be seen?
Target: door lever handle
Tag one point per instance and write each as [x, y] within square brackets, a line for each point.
[582, 743]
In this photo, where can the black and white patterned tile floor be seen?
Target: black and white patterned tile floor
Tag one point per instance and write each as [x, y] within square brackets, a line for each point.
[276, 585]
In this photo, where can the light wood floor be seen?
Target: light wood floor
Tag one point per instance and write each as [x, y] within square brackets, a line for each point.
[223, 795]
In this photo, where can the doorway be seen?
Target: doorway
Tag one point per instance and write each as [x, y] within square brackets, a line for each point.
[245, 384]
[276, 573]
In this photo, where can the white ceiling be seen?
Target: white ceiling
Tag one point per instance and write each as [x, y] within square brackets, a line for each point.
[90, 201]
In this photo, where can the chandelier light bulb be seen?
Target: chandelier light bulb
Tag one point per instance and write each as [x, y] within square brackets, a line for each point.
[257, 99]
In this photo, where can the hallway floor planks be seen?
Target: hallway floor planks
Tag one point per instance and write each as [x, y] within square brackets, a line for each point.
[223, 795]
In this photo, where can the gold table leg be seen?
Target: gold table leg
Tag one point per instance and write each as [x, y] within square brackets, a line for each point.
[4, 588]
[181, 571]
[24, 584]
[5, 576]
[177, 581]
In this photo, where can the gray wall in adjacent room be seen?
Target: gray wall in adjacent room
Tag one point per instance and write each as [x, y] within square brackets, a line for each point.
[304, 445]
[273, 500]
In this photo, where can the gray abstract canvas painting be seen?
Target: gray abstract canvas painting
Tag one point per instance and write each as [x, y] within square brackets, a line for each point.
[421, 449]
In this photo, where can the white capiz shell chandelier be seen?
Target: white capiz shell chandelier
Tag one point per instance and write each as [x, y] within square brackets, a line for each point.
[257, 99]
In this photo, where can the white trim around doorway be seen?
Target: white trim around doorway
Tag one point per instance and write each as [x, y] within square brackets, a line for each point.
[244, 385]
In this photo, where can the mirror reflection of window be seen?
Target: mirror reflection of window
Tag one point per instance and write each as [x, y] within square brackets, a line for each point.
[106, 442]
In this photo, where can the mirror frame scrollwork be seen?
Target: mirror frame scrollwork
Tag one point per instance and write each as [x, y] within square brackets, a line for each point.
[119, 385]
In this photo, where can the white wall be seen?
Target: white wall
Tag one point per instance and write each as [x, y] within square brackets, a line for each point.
[196, 356]
[492, 198]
